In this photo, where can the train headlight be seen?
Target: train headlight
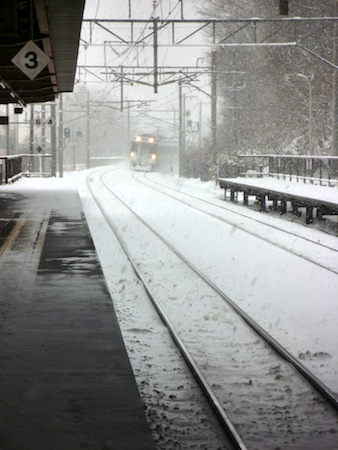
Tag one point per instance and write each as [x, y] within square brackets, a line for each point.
[151, 140]
[153, 156]
[138, 139]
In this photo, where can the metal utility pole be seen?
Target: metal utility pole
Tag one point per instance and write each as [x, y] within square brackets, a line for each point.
[181, 137]
[311, 148]
[8, 150]
[182, 14]
[128, 130]
[155, 56]
[61, 142]
[121, 91]
[43, 127]
[53, 139]
[335, 89]
[214, 106]
[88, 133]
[31, 130]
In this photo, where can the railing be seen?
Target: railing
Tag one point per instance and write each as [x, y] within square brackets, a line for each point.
[36, 165]
[306, 179]
[15, 166]
[319, 170]
[11, 168]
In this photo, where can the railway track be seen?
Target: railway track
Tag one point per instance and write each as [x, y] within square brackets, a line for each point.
[263, 396]
[147, 176]
[311, 254]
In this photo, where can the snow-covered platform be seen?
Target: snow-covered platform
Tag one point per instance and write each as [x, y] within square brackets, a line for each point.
[322, 199]
[66, 381]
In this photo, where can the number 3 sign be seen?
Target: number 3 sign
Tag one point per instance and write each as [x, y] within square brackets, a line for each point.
[31, 60]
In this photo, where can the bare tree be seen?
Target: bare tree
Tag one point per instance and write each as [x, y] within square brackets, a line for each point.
[274, 99]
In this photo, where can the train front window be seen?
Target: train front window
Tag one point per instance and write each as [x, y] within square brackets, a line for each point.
[143, 152]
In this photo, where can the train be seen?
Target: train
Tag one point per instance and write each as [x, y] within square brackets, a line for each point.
[144, 151]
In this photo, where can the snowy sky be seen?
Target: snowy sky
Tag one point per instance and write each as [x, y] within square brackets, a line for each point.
[139, 9]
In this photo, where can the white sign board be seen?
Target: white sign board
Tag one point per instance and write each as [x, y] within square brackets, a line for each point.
[31, 60]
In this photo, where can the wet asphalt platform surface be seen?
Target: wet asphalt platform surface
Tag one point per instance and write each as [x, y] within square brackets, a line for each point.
[65, 381]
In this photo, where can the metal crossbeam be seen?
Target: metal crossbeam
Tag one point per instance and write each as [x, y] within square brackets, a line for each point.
[145, 33]
[153, 26]
[131, 74]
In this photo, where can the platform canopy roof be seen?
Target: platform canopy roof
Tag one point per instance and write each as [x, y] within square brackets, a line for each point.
[54, 27]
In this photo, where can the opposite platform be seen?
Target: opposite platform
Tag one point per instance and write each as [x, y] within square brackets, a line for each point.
[66, 382]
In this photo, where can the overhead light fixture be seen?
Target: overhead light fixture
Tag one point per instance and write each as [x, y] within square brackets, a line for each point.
[12, 93]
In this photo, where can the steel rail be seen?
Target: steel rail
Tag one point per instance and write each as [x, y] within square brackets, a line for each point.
[239, 226]
[228, 209]
[217, 407]
[324, 390]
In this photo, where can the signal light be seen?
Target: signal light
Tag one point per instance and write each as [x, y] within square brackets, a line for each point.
[67, 132]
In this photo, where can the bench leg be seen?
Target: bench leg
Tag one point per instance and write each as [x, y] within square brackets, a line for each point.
[283, 207]
[309, 214]
[262, 202]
